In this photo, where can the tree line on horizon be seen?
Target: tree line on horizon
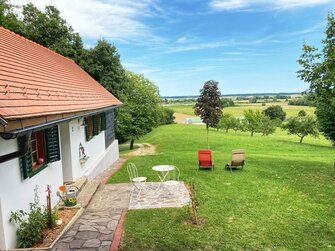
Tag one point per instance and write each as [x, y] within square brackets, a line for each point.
[141, 110]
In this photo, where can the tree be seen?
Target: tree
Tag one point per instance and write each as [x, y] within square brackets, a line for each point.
[9, 18]
[238, 125]
[268, 126]
[252, 121]
[209, 105]
[141, 109]
[318, 69]
[227, 102]
[302, 126]
[302, 113]
[103, 64]
[50, 30]
[275, 112]
[228, 121]
[166, 116]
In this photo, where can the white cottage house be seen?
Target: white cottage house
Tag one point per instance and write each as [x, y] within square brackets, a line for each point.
[50, 111]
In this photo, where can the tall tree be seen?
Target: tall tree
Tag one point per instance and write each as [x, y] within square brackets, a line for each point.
[318, 69]
[9, 18]
[141, 110]
[209, 105]
[103, 63]
[50, 30]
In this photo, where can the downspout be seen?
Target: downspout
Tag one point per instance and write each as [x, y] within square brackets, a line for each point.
[23, 141]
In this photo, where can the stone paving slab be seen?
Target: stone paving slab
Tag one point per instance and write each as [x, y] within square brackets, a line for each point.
[94, 230]
[155, 195]
[112, 196]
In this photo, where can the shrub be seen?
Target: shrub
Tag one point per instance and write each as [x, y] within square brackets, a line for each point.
[227, 102]
[302, 113]
[30, 224]
[167, 116]
[275, 112]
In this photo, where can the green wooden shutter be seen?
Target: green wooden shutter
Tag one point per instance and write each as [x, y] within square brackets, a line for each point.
[52, 144]
[95, 125]
[103, 121]
[86, 130]
[26, 164]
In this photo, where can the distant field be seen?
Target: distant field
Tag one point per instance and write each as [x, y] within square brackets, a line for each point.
[237, 110]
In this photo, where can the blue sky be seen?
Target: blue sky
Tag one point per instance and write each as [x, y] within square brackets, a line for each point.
[248, 46]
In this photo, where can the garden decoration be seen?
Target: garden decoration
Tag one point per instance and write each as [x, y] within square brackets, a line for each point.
[68, 194]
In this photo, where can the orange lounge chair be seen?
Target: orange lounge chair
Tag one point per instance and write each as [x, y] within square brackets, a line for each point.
[237, 159]
[205, 159]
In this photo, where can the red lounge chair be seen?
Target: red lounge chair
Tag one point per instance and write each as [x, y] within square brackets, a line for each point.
[205, 159]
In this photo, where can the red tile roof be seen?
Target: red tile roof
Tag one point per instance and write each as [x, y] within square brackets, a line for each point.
[35, 81]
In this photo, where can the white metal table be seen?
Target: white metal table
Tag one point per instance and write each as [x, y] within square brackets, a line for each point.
[163, 171]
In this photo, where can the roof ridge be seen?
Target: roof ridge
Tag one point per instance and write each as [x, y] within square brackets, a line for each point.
[33, 42]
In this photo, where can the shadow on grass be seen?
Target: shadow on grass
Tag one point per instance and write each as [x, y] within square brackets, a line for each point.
[314, 145]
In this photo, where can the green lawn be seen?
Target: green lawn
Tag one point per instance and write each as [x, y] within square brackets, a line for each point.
[238, 109]
[283, 200]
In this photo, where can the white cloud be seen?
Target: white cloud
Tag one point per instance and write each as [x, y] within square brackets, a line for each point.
[264, 4]
[115, 19]
[197, 46]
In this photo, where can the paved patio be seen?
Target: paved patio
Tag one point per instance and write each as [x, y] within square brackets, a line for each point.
[95, 228]
[164, 197]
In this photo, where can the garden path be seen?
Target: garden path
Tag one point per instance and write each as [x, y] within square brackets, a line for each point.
[97, 228]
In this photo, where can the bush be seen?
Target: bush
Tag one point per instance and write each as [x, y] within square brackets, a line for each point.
[306, 100]
[227, 102]
[275, 112]
[30, 225]
[302, 113]
[167, 116]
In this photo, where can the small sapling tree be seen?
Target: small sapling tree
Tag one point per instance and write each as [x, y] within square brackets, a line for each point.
[209, 105]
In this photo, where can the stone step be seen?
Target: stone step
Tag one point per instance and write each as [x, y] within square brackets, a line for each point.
[87, 193]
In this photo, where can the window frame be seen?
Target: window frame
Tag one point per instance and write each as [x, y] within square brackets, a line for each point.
[38, 139]
[47, 145]
[94, 125]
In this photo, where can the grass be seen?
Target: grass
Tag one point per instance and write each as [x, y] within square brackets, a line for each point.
[283, 199]
[237, 110]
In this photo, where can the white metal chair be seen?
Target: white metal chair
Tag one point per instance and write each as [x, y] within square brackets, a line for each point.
[137, 181]
[172, 182]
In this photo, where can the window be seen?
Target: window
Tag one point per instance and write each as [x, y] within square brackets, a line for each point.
[37, 149]
[94, 125]
[43, 149]
[89, 124]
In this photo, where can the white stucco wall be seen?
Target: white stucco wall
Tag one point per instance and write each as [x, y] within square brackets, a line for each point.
[99, 157]
[16, 193]
[2, 233]
[66, 151]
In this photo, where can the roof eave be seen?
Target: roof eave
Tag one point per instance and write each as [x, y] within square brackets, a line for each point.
[17, 132]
